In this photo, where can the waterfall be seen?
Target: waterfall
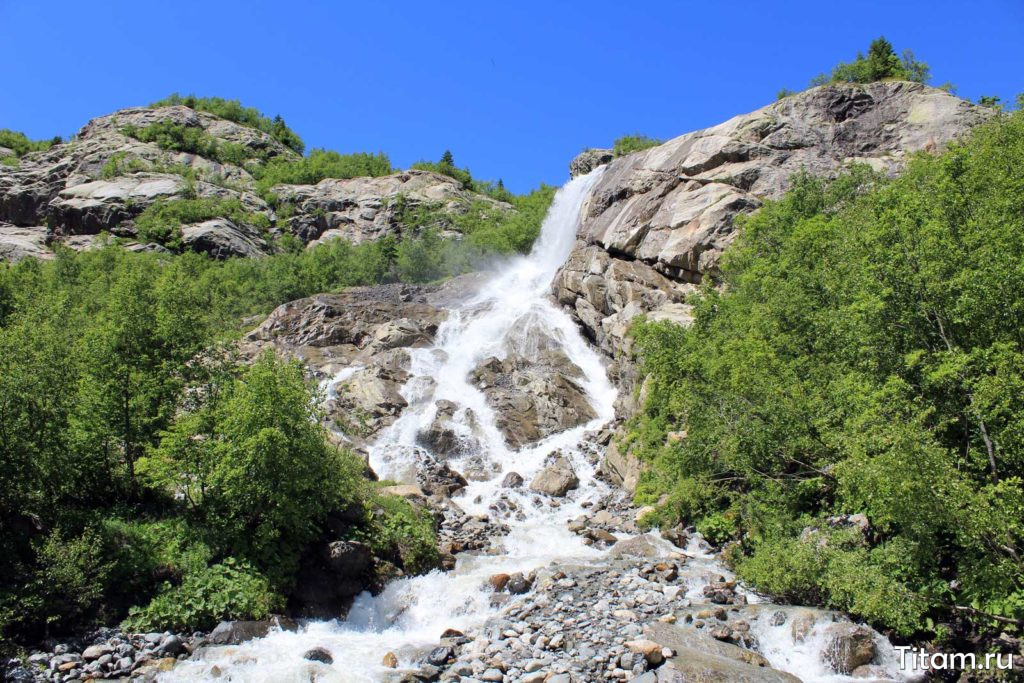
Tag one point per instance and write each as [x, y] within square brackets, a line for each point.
[511, 311]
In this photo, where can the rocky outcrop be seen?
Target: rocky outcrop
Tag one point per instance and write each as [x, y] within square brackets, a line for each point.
[364, 209]
[658, 220]
[534, 397]
[557, 478]
[17, 243]
[102, 179]
[221, 238]
[356, 342]
[589, 159]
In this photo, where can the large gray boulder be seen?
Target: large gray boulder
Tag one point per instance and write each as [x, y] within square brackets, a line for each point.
[17, 243]
[221, 238]
[534, 393]
[557, 478]
[589, 159]
[699, 658]
[658, 220]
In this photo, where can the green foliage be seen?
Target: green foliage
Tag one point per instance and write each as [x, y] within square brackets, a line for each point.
[864, 355]
[627, 144]
[233, 110]
[177, 137]
[322, 164]
[881, 64]
[260, 472]
[446, 166]
[20, 144]
[229, 590]
[401, 532]
[161, 222]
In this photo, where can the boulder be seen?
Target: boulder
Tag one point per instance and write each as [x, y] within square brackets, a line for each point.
[17, 243]
[848, 646]
[512, 480]
[318, 654]
[237, 632]
[331, 574]
[534, 393]
[440, 437]
[699, 657]
[556, 479]
[438, 479]
[221, 239]
[589, 159]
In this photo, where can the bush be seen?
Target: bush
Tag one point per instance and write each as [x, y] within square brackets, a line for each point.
[177, 137]
[880, 64]
[20, 144]
[70, 581]
[230, 590]
[322, 164]
[628, 144]
[403, 533]
[446, 166]
[233, 110]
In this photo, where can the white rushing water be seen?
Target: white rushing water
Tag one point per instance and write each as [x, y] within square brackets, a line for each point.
[512, 311]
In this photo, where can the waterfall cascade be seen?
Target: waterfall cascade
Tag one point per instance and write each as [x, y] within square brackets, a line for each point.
[511, 313]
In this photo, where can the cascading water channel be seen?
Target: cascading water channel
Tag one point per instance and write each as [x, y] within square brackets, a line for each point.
[512, 311]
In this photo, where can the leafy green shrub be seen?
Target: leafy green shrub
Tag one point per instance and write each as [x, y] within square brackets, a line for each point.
[161, 222]
[232, 110]
[229, 590]
[880, 64]
[322, 164]
[402, 532]
[20, 144]
[446, 166]
[177, 137]
[627, 144]
[72, 576]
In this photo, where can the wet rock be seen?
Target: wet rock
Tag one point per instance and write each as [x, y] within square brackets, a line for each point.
[438, 479]
[512, 480]
[318, 654]
[535, 395]
[499, 581]
[589, 159]
[519, 584]
[440, 437]
[557, 478]
[390, 660]
[331, 574]
[237, 632]
[650, 650]
[440, 655]
[848, 646]
[96, 651]
[171, 646]
[638, 546]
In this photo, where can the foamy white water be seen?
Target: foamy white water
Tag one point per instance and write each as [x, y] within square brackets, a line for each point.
[512, 311]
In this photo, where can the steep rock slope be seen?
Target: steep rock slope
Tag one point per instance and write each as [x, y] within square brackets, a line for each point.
[106, 176]
[658, 220]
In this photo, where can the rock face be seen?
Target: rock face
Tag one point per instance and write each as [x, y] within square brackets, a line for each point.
[658, 220]
[101, 180]
[362, 209]
[359, 338]
[589, 159]
[556, 479]
[534, 397]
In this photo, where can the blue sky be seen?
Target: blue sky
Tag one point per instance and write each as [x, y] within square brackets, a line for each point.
[514, 89]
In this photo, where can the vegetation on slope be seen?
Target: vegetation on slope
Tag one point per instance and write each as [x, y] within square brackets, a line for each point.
[140, 460]
[865, 356]
[232, 110]
[19, 144]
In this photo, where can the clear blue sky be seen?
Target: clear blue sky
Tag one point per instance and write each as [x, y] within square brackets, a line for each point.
[514, 89]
